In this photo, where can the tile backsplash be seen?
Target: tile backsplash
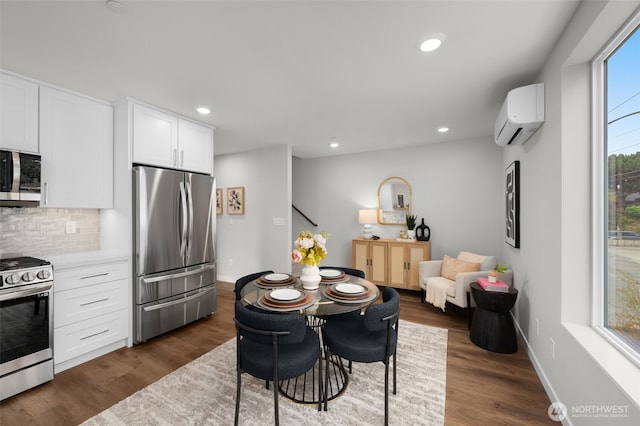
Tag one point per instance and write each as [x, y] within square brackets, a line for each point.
[42, 232]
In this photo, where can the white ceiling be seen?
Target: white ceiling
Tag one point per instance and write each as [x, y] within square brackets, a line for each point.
[293, 72]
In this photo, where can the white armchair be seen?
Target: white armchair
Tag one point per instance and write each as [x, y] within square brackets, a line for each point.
[438, 289]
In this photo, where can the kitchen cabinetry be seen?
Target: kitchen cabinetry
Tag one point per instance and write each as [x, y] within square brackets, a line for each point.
[18, 114]
[164, 140]
[390, 262]
[76, 144]
[91, 312]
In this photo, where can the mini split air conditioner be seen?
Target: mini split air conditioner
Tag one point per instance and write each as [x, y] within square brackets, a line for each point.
[520, 116]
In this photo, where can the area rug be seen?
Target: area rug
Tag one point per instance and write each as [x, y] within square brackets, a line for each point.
[203, 391]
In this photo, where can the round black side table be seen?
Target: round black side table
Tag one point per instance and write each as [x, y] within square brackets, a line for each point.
[492, 326]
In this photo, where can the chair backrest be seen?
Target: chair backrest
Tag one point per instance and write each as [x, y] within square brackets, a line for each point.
[390, 307]
[241, 282]
[260, 326]
[355, 272]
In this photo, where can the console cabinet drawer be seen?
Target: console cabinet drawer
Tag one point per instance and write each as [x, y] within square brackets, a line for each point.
[90, 301]
[83, 337]
[68, 279]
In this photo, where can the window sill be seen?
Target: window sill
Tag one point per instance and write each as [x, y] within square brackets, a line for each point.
[624, 373]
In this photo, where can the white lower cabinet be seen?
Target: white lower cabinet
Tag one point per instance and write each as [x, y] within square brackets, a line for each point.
[91, 312]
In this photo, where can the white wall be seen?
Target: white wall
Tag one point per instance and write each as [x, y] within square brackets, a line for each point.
[457, 188]
[251, 242]
[553, 266]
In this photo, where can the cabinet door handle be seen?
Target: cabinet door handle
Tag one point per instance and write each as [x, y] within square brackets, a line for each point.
[94, 334]
[173, 157]
[46, 193]
[94, 301]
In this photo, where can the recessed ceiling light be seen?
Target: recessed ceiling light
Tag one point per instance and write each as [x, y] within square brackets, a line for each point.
[203, 110]
[334, 143]
[115, 6]
[443, 129]
[431, 42]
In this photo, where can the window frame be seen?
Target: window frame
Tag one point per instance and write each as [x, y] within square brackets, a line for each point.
[600, 188]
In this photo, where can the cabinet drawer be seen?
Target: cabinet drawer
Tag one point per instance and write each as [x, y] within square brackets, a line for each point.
[79, 338]
[68, 279]
[87, 302]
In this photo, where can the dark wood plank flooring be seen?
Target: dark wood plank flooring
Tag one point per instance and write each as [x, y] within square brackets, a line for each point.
[482, 387]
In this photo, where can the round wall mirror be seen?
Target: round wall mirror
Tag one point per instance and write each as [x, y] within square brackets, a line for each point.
[394, 201]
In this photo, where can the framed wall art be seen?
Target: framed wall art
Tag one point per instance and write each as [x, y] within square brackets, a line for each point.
[218, 200]
[235, 200]
[512, 204]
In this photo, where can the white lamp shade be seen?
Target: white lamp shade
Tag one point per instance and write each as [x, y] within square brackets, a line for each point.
[367, 216]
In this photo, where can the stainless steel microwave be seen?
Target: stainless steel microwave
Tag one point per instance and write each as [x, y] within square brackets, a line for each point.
[19, 179]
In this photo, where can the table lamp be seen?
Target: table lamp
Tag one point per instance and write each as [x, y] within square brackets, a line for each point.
[366, 217]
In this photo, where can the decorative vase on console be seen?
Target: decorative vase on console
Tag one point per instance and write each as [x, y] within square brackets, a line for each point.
[309, 250]
[423, 233]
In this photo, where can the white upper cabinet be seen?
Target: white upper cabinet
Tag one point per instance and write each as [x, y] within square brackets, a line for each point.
[76, 144]
[18, 114]
[164, 140]
[196, 147]
[155, 137]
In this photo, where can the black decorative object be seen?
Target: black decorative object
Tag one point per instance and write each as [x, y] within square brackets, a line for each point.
[423, 233]
[512, 204]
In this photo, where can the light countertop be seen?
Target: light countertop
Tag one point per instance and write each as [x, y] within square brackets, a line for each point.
[87, 258]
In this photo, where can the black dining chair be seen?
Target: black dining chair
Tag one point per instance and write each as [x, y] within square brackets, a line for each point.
[241, 282]
[274, 347]
[371, 337]
[350, 271]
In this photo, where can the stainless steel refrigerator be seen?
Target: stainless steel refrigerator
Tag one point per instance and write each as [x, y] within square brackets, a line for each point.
[175, 250]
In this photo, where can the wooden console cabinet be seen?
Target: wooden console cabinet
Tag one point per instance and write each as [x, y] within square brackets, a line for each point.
[391, 263]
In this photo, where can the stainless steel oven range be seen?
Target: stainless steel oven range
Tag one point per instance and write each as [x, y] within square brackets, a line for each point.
[26, 324]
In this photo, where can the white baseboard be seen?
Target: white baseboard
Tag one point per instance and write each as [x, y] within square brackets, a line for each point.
[541, 375]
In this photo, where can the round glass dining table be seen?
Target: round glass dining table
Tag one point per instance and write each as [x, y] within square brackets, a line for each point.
[322, 304]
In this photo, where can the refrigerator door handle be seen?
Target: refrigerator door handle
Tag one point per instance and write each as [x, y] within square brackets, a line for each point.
[149, 280]
[190, 234]
[183, 237]
[177, 301]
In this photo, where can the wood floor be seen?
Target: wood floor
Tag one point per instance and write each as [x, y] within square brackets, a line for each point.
[482, 387]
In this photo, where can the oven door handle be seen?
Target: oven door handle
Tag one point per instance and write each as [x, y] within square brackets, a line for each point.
[26, 292]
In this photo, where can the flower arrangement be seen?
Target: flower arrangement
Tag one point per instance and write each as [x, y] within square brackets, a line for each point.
[310, 248]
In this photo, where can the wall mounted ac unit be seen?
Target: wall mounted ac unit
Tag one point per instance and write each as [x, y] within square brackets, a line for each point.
[520, 116]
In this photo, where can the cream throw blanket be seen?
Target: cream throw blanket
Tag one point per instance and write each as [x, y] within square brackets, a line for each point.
[437, 291]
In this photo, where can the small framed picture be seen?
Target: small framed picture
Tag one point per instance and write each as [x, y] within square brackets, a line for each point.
[218, 200]
[235, 200]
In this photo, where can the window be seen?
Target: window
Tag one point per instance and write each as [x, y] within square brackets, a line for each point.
[617, 76]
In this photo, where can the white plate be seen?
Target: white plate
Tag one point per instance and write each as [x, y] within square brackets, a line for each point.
[285, 294]
[349, 288]
[276, 277]
[330, 273]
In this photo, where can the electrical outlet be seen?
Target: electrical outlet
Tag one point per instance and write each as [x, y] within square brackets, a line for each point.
[230, 262]
[278, 221]
[71, 227]
[553, 348]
